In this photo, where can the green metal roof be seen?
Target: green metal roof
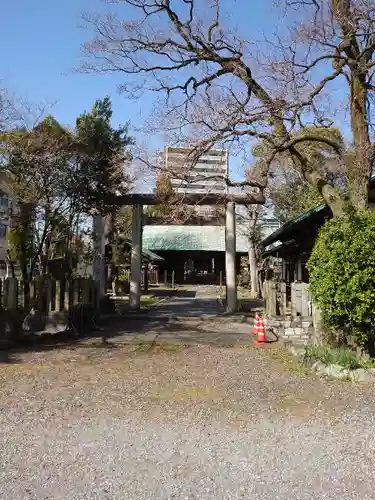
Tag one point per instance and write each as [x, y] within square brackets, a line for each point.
[190, 238]
[274, 237]
[151, 255]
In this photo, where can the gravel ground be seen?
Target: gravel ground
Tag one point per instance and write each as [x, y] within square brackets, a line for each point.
[133, 423]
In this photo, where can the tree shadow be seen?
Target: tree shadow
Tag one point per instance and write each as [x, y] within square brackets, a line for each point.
[170, 292]
[171, 324]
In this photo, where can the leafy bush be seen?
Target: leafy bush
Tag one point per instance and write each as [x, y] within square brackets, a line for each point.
[342, 275]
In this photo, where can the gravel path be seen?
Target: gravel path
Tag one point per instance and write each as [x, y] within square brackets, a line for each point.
[132, 423]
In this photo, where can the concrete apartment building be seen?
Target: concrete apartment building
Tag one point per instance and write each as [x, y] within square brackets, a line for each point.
[206, 176]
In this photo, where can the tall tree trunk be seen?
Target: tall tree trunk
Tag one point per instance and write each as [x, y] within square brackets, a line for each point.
[109, 233]
[253, 213]
[360, 170]
[253, 264]
[329, 193]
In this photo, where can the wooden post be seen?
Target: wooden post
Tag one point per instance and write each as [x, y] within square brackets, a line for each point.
[2, 292]
[221, 278]
[75, 292]
[48, 295]
[145, 279]
[21, 296]
[299, 270]
[272, 299]
[57, 296]
[5, 290]
[92, 293]
[67, 296]
[283, 305]
[173, 276]
[12, 293]
[265, 295]
[32, 291]
[293, 300]
[85, 291]
[165, 278]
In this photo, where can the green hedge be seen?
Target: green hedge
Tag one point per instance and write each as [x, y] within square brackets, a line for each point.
[342, 274]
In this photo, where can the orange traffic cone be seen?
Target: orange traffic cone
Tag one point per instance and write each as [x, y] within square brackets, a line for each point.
[256, 324]
[259, 326]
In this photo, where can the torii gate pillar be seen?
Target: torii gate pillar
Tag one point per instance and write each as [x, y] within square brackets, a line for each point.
[230, 257]
[136, 258]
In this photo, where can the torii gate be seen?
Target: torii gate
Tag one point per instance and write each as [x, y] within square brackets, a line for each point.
[137, 201]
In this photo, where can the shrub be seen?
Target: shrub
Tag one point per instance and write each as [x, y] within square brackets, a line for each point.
[341, 356]
[318, 352]
[342, 274]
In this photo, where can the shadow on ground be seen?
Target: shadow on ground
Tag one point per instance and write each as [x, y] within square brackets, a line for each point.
[169, 292]
[181, 319]
[163, 330]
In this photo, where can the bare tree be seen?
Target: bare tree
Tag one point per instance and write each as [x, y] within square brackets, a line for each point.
[332, 51]
[8, 112]
[16, 112]
[220, 90]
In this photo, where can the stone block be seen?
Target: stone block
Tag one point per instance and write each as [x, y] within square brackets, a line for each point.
[306, 324]
[337, 371]
[298, 331]
[304, 337]
[318, 367]
[272, 323]
[289, 332]
[363, 375]
[311, 332]
[296, 323]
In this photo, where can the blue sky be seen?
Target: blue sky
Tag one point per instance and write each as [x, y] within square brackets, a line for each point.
[41, 41]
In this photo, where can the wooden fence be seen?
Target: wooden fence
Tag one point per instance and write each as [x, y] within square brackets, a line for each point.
[282, 300]
[152, 274]
[53, 296]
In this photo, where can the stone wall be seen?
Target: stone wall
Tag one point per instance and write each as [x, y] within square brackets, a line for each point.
[298, 330]
[292, 317]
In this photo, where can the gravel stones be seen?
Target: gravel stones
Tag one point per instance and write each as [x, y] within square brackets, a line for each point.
[198, 423]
